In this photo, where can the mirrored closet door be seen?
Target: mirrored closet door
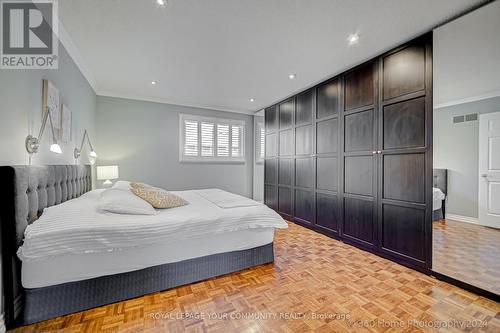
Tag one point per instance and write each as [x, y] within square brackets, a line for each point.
[466, 149]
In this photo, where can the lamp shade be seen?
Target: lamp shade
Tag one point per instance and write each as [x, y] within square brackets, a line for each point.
[107, 172]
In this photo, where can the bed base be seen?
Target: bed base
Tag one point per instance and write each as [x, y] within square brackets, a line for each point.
[49, 302]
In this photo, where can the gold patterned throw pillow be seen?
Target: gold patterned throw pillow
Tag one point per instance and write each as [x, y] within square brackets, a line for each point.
[157, 197]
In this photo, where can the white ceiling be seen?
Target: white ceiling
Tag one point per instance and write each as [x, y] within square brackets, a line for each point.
[220, 53]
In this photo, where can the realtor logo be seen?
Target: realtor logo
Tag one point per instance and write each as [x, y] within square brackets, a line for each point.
[29, 35]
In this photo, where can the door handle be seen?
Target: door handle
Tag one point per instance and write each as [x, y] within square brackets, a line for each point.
[484, 175]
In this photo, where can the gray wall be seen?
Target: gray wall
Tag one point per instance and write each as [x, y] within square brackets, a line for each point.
[143, 139]
[20, 113]
[456, 148]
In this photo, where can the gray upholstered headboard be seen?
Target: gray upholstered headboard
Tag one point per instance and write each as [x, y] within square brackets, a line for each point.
[24, 192]
[440, 179]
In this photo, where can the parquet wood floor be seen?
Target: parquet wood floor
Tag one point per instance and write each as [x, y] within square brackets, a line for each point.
[317, 284]
[467, 252]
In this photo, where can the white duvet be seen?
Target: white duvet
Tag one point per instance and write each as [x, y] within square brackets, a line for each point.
[76, 226]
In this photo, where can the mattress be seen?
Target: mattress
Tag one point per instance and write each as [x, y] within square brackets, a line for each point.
[78, 227]
[75, 241]
[437, 198]
[76, 267]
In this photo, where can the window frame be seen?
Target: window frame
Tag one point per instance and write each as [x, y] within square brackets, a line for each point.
[216, 121]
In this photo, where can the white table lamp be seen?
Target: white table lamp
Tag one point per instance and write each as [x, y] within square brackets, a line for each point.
[107, 173]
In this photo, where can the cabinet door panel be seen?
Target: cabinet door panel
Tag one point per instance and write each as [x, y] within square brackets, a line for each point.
[304, 172]
[404, 124]
[271, 196]
[303, 140]
[326, 173]
[328, 99]
[404, 71]
[287, 109]
[358, 219]
[304, 107]
[327, 211]
[270, 171]
[271, 119]
[327, 135]
[404, 177]
[359, 87]
[359, 175]
[285, 200]
[304, 201]
[403, 230]
[286, 143]
[359, 131]
[285, 171]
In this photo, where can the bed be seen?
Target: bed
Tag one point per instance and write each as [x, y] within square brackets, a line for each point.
[440, 190]
[73, 257]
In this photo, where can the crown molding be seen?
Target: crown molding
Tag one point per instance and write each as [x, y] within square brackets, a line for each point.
[471, 99]
[161, 100]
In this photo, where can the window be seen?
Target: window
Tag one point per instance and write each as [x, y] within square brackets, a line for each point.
[260, 142]
[211, 139]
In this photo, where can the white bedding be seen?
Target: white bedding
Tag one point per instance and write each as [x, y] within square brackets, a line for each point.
[76, 226]
[437, 198]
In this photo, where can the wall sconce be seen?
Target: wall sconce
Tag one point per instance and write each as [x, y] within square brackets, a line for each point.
[33, 143]
[92, 155]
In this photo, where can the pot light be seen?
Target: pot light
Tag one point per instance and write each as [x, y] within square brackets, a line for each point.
[161, 2]
[353, 39]
[292, 76]
[153, 83]
[252, 100]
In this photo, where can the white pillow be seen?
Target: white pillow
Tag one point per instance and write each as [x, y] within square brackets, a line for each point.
[119, 201]
[121, 185]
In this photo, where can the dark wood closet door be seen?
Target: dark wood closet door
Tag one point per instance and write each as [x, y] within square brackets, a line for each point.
[405, 161]
[328, 177]
[304, 195]
[359, 160]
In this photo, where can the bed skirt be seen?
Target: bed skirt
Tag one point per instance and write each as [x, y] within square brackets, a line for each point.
[53, 301]
[437, 214]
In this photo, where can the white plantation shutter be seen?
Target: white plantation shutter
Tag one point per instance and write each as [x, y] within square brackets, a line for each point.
[207, 139]
[191, 138]
[236, 141]
[204, 139]
[222, 140]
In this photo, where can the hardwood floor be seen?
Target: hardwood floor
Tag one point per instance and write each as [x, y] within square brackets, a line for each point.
[316, 284]
[467, 252]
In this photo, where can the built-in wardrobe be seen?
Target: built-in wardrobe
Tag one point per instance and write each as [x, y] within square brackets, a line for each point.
[352, 156]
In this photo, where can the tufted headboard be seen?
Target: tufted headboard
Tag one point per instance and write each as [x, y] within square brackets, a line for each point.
[24, 192]
[440, 179]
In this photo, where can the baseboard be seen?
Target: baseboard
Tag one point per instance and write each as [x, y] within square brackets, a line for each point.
[461, 218]
[2, 324]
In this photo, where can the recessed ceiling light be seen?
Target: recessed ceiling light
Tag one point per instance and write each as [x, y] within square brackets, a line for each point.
[161, 2]
[252, 100]
[153, 83]
[353, 39]
[292, 76]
